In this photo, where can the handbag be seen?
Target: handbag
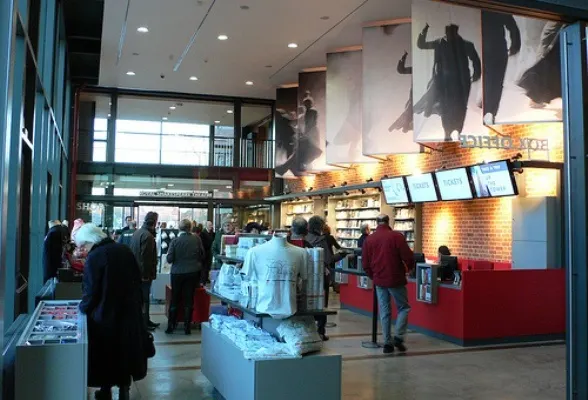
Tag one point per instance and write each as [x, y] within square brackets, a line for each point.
[149, 345]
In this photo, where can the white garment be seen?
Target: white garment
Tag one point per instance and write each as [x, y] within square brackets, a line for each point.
[276, 266]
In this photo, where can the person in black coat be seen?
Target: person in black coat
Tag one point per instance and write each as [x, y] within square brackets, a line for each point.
[112, 302]
[53, 250]
[207, 237]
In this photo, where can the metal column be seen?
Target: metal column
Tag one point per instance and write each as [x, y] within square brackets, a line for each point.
[575, 95]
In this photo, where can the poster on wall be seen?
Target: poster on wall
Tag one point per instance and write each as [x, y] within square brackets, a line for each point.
[387, 91]
[522, 69]
[286, 125]
[447, 72]
[344, 145]
[310, 146]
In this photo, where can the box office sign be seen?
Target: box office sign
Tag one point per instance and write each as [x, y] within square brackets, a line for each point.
[502, 142]
[200, 194]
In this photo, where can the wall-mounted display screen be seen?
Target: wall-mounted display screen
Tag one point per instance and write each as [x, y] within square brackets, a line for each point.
[421, 188]
[395, 190]
[493, 180]
[454, 184]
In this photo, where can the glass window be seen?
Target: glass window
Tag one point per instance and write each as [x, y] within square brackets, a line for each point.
[99, 151]
[98, 191]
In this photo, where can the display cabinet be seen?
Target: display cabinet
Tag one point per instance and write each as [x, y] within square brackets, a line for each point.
[407, 220]
[427, 285]
[305, 208]
[51, 354]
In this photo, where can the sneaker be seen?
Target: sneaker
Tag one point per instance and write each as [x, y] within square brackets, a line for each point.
[388, 349]
[399, 344]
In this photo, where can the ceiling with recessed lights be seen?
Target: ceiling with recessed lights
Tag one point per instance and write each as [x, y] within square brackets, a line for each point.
[266, 43]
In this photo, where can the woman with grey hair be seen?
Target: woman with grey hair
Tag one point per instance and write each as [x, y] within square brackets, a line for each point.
[186, 255]
[112, 299]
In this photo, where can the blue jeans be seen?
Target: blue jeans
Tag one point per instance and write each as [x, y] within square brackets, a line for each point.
[146, 289]
[400, 295]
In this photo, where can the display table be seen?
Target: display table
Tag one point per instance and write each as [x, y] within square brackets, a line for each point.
[489, 307]
[237, 378]
[51, 354]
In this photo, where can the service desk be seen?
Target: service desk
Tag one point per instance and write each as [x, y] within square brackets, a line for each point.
[489, 307]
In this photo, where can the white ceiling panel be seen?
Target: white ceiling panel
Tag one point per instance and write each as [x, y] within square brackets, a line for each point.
[258, 38]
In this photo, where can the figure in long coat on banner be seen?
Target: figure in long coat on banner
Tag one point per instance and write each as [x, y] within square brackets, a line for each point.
[405, 121]
[449, 88]
[542, 81]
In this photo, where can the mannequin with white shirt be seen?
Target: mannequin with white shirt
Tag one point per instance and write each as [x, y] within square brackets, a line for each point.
[276, 266]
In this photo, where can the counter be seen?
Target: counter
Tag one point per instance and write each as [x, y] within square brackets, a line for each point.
[490, 307]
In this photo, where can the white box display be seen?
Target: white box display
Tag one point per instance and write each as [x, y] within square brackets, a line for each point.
[52, 353]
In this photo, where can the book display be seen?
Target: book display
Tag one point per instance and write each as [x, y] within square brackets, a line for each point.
[405, 221]
[52, 352]
[426, 290]
[301, 208]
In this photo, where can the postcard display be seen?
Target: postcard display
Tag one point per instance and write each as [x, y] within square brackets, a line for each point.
[52, 354]
[164, 238]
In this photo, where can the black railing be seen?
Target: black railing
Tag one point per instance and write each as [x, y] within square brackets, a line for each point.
[257, 153]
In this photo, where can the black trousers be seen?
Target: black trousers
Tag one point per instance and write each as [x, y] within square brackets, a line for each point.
[321, 320]
[183, 288]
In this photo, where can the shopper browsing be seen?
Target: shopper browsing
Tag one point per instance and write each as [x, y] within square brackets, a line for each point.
[112, 303]
[186, 255]
[386, 257]
[144, 248]
[227, 228]
[207, 237]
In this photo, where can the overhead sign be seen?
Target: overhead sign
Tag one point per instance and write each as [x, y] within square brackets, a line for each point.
[454, 184]
[80, 206]
[493, 180]
[201, 194]
[395, 190]
[421, 188]
[502, 142]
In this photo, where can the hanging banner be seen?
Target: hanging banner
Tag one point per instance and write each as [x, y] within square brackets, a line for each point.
[344, 108]
[311, 144]
[387, 91]
[522, 69]
[447, 45]
[286, 126]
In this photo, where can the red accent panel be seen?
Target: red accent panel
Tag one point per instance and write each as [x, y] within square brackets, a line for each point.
[355, 297]
[201, 307]
[501, 304]
[502, 266]
[482, 266]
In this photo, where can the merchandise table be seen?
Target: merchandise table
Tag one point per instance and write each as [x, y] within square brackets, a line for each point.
[237, 378]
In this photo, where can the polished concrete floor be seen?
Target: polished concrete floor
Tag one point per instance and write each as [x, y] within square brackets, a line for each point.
[432, 369]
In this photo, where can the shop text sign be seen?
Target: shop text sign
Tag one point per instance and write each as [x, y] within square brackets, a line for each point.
[502, 142]
[202, 194]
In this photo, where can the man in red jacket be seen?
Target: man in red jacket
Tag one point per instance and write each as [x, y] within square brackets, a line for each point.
[385, 259]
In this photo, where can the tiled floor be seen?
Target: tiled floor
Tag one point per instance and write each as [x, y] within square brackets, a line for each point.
[432, 369]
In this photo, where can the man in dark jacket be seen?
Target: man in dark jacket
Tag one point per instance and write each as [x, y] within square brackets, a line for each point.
[186, 255]
[145, 250]
[52, 250]
[317, 238]
[126, 235]
[207, 237]
[128, 221]
[386, 258]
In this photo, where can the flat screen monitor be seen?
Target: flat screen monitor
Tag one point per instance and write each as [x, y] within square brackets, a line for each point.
[454, 184]
[422, 188]
[448, 267]
[395, 190]
[493, 179]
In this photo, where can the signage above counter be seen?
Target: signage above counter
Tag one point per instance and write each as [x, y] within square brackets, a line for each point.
[502, 142]
[200, 194]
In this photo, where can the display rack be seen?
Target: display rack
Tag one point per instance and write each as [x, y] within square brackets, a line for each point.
[164, 239]
[305, 208]
[52, 354]
[426, 283]
[406, 220]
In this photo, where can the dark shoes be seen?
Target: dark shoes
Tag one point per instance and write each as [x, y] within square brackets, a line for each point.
[124, 393]
[399, 344]
[324, 337]
[388, 349]
[152, 324]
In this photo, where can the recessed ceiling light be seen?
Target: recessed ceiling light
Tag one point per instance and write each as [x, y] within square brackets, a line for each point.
[217, 122]
[108, 115]
[244, 7]
[325, 17]
[130, 73]
[164, 118]
[292, 45]
[249, 83]
[229, 111]
[170, 184]
[193, 78]
[172, 107]
[222, 37]
[142, 29]
[269, 66]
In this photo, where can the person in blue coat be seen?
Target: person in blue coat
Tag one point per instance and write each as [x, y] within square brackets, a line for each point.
[112, 301]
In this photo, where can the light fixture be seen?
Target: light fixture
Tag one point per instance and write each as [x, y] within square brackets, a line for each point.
[229, 187]
[163, 189]
[229, 111]
[217, 122]
[344, 183]
[108, 115]
[172, 107]
[385, 177]
[222, 37]
[325, 17]
[131, 73]
[164, 118]
[309, 189]
[249, 83]
[142, 29]
[333, 186]
[170, 185]
[346, 193]
[369, 180]
[244, 7]
[193, 78]
[292, 45]
[362, 191]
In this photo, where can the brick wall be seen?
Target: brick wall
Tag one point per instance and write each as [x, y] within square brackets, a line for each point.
[476, 230]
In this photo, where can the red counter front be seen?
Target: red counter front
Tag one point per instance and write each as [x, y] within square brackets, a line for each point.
[498, 306]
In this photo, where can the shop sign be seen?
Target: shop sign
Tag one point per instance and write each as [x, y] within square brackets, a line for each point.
[502, 142]
[89, 206]
[201, 194]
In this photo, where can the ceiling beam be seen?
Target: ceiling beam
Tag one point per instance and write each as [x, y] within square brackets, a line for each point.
[388, 22]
